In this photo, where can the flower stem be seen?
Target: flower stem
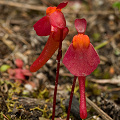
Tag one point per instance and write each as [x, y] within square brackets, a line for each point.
[71, 96]
[83, 110]
[57, 72]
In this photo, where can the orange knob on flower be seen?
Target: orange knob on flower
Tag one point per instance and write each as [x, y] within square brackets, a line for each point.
[81, 41]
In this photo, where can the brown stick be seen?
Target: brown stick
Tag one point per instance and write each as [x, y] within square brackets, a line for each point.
[42, 8]
[99, 111]
[23, 5]
[106, 81]
[4, 116]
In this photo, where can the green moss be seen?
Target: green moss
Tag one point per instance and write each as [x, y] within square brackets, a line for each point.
[43, 94]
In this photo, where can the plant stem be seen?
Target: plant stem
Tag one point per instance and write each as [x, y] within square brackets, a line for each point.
[83, 110]
[57, 72]
[71, 96]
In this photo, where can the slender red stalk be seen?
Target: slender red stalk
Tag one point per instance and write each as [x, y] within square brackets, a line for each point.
[83, 110]
[57, 72]
[71, 96]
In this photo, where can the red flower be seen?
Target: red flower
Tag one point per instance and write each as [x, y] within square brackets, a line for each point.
[81, 60]
[52, 24]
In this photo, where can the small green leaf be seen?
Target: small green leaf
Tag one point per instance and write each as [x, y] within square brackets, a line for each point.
[96, 36]
[116, 5]
[3, 68]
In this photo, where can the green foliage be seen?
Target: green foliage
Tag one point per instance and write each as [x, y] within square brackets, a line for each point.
[76, 91]
[101, 45]
[4, 68]
[63, 108]
[1, 115]
[43, 94]
[117, 52]
[116, 5]
[17, 89]
[44, 111]
[97, 72]
[14, 89]
[94, 89]
[96, 36]
[106, 75]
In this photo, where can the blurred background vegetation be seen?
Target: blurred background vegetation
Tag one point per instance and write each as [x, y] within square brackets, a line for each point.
[32, 98]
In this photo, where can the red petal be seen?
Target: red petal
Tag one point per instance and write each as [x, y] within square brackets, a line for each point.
[43, 26]
[65, 32]
[57, 19]
[81, 63]
[62, 5]
[80, 25]
[56, 34]
[49, 49]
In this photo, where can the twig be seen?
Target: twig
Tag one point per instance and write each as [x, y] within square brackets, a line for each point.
[23, 5]
[106, 81]
[42, 8]
[99, 111]
[9, 43]
[84, 12]
[67, 74]
[113, 90]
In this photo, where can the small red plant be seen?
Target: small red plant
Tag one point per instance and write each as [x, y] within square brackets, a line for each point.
[19, 73]
[81, 60]
[52, 24]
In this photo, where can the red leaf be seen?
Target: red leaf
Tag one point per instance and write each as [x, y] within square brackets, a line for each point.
[43, 26]
[49, 49]
[19, 63]
[57, 19]
[62, 5]
[19, 74]
[26, 72]
[80, 25]
[81, 62]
